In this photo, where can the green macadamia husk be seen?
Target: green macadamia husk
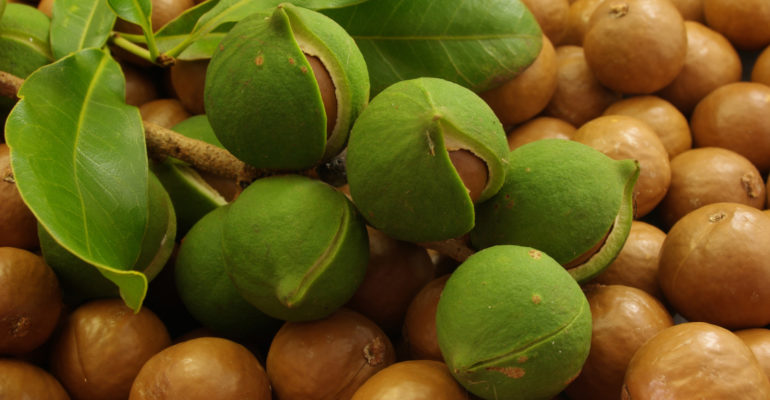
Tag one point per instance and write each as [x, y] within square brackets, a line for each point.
[85, 281]
[513, 324]
[398, 166]
[262, 98]
[563, 198]
[295, 247]
[24, 45]
[205, 288]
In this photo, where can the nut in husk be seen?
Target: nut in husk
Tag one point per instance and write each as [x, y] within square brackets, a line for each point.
[402, 159]
[294, 247]
[565, 199]
[512, 323]
[265, 83]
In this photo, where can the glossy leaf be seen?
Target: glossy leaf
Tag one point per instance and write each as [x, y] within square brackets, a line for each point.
[231, 11]
[79, 24]
[176, 31]
[135, 11]
[477, 44]
[80, 163]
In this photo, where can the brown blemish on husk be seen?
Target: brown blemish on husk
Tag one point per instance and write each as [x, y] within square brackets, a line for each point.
[522, 359]
[536, 298]
[535, 254]
[511, 372]
[259, 60]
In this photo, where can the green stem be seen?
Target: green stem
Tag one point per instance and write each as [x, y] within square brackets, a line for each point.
[152, 47]
[178, 49]
[131, 47]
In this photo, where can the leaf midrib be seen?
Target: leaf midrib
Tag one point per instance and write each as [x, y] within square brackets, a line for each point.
[87, 27]
[98, 72]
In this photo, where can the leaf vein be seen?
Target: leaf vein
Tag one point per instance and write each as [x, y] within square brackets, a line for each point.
[93, 84]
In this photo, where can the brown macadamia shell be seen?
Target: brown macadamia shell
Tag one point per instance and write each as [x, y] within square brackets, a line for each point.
[623, 137]
[745, 23]
[540, 128]
[711, 62]
[624, 318]
[735, 116]
[579, 97]
[667, 121]
[164, 112]
[163, 11]
[551, 15]
[691, 10]
[20, 380]
[103, 345]
[419, 330]
[635, 46]
[30, 301]
[710, 175]
[637, 263]
[396, 271]
[715, 264]
[758, 340]
[666, 366]
[412, 380]
[760, 73]
[328, 358]
[46, 6]
[19, 225]
[205, 368]
[188, 78]
[327, 89]
[579, 14]
[526, 95]
[472, 170]
[140, 85]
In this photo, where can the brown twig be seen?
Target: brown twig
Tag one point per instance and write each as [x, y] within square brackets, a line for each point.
[9, 85]
[162, 142]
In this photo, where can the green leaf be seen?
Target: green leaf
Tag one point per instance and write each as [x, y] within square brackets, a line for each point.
[476, 44]
[220, 16]
[138, 12]
[79, 24]
[227, 11]
[202, 48]
[177, 33]
[185, 22]
[135, 11]
[2, 8]
[80, 163]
